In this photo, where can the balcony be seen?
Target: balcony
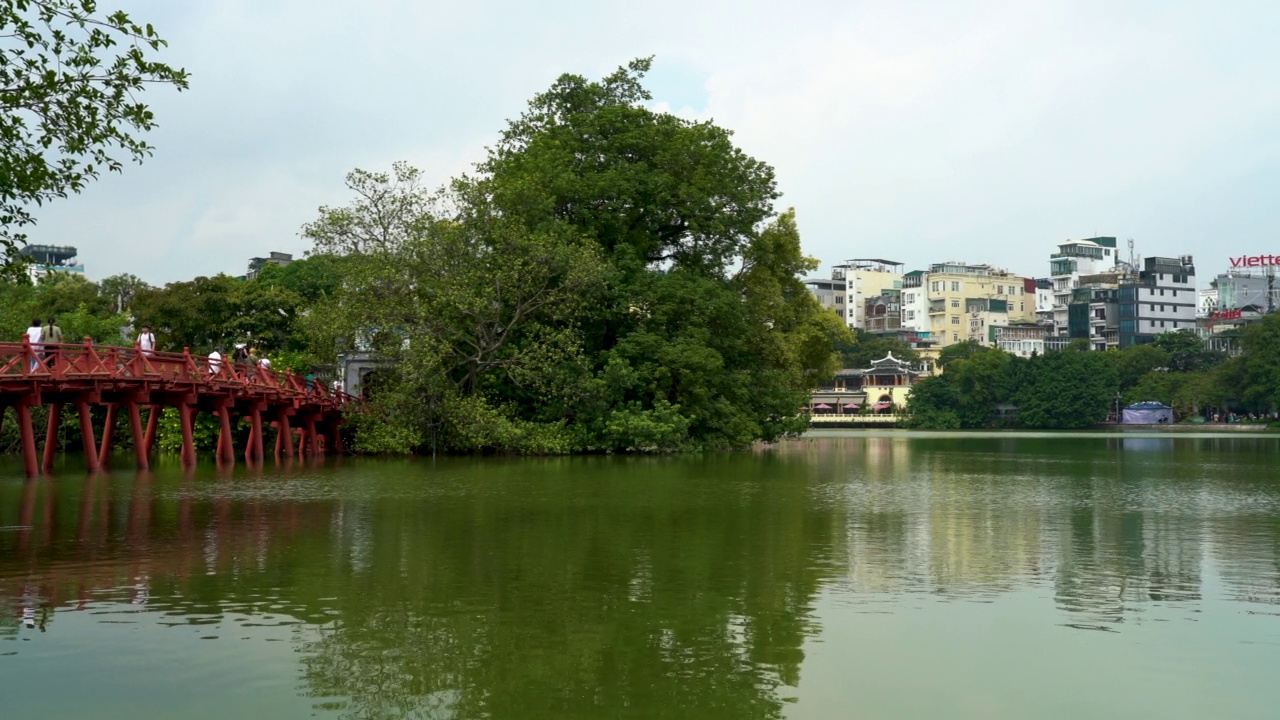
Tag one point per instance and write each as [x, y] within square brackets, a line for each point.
[937, 307]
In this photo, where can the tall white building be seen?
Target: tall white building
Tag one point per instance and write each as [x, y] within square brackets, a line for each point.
[915, 303]
[1162, 299]
[1091, 256]
[864, 279]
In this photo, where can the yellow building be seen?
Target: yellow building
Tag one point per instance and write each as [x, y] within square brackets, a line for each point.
[964, 300]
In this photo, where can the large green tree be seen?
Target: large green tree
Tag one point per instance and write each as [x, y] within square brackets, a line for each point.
[1187, 352]
[70, 77]
[1065, 390]
[210, 312]
[1261, 364]
[611, 278]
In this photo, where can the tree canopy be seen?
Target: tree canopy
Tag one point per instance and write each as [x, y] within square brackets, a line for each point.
[70, 77]
[1074, 388]
[610, 278]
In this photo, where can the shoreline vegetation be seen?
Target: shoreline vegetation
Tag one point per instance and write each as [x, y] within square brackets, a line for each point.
[1076, 388]
[608, 279]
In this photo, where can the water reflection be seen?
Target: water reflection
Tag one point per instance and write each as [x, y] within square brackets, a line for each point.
[675, 586]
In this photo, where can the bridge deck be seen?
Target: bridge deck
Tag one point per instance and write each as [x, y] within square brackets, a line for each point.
[87, 374]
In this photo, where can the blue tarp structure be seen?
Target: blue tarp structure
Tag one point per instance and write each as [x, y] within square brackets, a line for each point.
[1146, 413]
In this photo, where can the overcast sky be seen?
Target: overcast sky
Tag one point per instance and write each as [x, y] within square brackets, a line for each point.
[917, 131]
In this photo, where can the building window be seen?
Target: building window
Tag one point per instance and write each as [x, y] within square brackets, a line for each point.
[955, 319]
[933, 286]
[999, 289]
[955, 302]
[955, 337]
[955, 287]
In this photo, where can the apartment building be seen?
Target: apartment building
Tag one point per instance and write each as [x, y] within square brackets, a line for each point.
[864, 279]
[1162, 298]
[1091, 256]
[1021, 339]
[829, 292]
[964, 300]
[852, 284]
[1240, 289]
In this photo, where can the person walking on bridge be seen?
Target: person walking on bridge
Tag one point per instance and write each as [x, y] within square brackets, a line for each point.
[147, 341]
[34, 335]
[215, 362]
[51, 334]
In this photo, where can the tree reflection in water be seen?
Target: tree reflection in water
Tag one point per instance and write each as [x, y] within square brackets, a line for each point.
[648, 587]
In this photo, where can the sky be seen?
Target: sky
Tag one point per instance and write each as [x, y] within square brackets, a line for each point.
[916, 131]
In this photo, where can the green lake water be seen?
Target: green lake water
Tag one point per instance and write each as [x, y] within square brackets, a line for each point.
[845, 575]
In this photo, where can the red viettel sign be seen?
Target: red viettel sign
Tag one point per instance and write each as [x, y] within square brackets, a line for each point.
[1255, 261]
[1229, 315]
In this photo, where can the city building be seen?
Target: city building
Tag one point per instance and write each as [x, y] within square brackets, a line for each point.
[1093, 313]
[965, 299]
[1044, 301]
[1240, 289]
[1021, 339]
[829, 292]
[274, 258]
[883, 313]
[915, 303]
[46, 259]
[1091, 256]
[1208, 302]
[1162, 298]
[866, 278]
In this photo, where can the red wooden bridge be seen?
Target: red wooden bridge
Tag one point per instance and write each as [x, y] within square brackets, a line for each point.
[131, 380]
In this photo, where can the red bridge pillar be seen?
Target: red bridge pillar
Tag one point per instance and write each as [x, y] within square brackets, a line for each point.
[186, 417]
[51, 434]
[226, 446]
[135, 429]
[29, 460]
[108, 435]
[86, 433]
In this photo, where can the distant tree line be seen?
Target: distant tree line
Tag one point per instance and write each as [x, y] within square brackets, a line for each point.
[1075, 388]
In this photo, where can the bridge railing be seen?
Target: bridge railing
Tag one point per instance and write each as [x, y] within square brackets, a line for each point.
[86, 361]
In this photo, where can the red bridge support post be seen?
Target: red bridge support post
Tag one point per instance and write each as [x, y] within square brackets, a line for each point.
[149, 441]
[135, 429]
[51, 435]
[311, 434]
[86, 434]
[285, 436]
[226, 446]
[255, 435]
[29, 460]
[185, 413]
[108, 435]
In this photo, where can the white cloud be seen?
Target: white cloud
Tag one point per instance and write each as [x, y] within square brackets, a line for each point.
[930, 131]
